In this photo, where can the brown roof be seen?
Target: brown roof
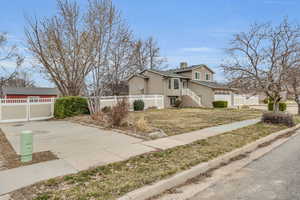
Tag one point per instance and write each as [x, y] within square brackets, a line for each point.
[213, 85]
[30, 91]
[190, 68]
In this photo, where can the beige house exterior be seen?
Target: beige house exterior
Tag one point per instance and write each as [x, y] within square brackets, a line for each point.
[195, 85]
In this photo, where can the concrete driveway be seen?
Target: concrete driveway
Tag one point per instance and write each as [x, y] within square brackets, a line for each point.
[81, 146]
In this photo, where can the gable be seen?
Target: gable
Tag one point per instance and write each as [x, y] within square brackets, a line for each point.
[201, 74]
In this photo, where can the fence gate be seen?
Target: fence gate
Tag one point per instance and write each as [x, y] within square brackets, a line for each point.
[17, 110]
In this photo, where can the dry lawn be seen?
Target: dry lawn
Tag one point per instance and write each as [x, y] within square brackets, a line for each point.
[178, 121]
[114, 180]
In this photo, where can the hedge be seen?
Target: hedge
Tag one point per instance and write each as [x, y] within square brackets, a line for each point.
[278, 118]
[282, 106]
[138, 105]
[178, 103]
[220, 104]
[70, 106]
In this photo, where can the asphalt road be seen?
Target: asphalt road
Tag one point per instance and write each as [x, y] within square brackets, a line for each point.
[275, 176]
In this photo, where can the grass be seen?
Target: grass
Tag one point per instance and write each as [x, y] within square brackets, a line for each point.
[178, 121]
[114, 180]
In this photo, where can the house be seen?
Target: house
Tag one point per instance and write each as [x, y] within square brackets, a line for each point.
[29, 92]
[195, 85]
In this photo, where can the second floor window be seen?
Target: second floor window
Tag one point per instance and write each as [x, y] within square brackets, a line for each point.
[176, 84]
[197, 75]
[207, 77]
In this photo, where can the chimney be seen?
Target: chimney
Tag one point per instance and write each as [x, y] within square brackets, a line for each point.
[183, 65]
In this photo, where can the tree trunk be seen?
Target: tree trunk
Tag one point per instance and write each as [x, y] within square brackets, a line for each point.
[298, 103]
[276, 106]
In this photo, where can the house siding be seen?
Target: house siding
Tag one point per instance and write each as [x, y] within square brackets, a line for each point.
[155, 83]
[206, 93]
[136, 84]
[158, 84]
[203, 71]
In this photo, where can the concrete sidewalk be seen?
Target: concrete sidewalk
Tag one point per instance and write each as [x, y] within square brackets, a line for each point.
[17, 178]
[80, 147]
[186, 138]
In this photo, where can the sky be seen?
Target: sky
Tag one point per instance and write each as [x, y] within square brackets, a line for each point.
[194, 31]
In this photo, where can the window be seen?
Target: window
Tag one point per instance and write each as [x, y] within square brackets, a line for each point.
[172, 100]
[197, 75]
[170, 83]
[207, 77]
[176, 84]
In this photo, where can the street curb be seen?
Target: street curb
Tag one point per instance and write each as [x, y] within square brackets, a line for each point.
[149, 191]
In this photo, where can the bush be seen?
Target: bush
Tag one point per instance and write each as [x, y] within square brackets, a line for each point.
[142, 125]
[118, 113]
[245, 107]
[220, 104]
[178, 103]
[282, 106]
[138, 105]
[278, 118]
[266, 100]
[106, 109]
[70, 106]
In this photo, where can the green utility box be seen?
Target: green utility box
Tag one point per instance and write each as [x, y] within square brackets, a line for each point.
[26, 146]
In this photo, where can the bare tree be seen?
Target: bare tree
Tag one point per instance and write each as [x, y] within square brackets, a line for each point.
[293, 85]
[112, 47]
[121, 61]
[65, 47]
[88, 51]
[260, 59]
[147, 54]
[8, 56]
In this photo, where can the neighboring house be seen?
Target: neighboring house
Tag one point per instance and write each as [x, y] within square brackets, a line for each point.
[28, 92]
[120, 89]
[195, 85]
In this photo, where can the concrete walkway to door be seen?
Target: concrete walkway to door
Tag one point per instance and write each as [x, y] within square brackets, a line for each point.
[80, 147]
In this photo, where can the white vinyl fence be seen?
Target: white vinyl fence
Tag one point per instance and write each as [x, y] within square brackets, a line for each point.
[149, 100]
[224, 97]
[17, 110]
[240, 100]
[237, 100]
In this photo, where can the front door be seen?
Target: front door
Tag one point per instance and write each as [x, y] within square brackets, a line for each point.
[184, 84]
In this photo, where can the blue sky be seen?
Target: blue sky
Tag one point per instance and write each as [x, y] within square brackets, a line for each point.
[195, 31]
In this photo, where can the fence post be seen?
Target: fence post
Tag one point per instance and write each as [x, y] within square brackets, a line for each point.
[28, 108]
[52, 107]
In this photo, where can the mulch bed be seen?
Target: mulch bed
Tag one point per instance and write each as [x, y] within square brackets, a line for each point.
[130, 130]
[12, 159]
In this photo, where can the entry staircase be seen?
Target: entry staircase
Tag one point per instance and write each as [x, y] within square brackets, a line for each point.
[192, 95]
